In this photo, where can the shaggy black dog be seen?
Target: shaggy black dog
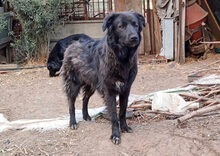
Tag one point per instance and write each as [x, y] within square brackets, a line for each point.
[108, 65]
[55, 58]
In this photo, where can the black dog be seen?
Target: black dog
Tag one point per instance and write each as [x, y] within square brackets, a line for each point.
[55, 58]
[108, 65]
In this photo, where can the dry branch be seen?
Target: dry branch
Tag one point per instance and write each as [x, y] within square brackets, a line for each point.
[199, 99]
[212, 103]
[138, 101]
[194, 97]
[206, 89]
[198, 113]
[140, 106]
[166, 113]
[213, 92]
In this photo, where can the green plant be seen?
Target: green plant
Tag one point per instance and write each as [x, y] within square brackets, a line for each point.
[38, 19]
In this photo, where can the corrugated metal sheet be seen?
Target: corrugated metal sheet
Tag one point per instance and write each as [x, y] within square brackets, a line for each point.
[168, 45]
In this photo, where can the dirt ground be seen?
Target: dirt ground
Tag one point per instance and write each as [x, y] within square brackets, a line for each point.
[32, 94]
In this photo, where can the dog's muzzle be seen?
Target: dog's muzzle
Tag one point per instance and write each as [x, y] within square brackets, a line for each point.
[133, 41]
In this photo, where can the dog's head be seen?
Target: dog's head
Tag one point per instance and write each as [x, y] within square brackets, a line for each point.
[125, 27]
[53, 65]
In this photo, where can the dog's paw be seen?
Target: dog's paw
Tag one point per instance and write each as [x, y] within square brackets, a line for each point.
[73, 126]
[116, 139]
[126, 129]
[87, 117]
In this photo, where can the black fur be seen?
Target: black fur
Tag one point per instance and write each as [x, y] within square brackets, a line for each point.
[108, 65]
[55, 58]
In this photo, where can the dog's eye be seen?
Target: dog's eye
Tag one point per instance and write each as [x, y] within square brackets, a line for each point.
[121, 26]
[135, 24]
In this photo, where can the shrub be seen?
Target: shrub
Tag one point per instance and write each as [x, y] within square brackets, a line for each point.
[38, 19]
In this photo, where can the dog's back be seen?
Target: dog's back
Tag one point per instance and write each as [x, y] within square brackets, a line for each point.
[55, 58]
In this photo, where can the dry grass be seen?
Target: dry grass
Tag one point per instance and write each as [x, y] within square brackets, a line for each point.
[40, 60]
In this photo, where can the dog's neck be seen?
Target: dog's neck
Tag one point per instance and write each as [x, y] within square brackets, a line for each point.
[123, 53]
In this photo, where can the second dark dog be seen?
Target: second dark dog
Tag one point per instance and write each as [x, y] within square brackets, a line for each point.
[55, 58]
[108, 65]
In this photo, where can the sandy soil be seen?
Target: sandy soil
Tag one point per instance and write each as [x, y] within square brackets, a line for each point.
[31, 94]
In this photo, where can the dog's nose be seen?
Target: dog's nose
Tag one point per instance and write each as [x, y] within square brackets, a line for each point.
[49, 67]
[134, 38]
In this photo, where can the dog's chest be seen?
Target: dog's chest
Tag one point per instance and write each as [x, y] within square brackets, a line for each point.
[119, 77]
[115, 75]
[120, 86]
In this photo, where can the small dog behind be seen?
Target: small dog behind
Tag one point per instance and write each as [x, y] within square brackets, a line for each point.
[108, 65]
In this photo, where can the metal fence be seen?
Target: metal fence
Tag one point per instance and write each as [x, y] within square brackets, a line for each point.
[86, 9]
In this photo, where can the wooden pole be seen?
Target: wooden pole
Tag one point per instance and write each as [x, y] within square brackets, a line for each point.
[122, 5]
[103, 8]
[176, 52]
[157, 30]
[150, 22]
[182, 15]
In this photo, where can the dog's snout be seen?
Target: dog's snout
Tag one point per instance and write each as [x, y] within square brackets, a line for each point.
[133, 38]
[49, 67]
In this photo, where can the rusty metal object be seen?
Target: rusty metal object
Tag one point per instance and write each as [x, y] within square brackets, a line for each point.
[200, 48]
[197, 49]
[203, 44]
[195, 15]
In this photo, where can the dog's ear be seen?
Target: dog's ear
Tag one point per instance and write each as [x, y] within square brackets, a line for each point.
[108, 21]
[141, 19]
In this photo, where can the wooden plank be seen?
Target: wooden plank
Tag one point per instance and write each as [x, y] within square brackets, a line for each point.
[212, 23]
[6, 66]
[147, 40]
[122, 5]
[212, 42]
[152, 33]
[20, 68]
[157, 30]
[119, 5]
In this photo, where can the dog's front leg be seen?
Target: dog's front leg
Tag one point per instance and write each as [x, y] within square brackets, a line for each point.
[110, 100]
[123, 101]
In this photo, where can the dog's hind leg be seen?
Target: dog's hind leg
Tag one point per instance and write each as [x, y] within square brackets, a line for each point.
[88, 92]
[72, 93]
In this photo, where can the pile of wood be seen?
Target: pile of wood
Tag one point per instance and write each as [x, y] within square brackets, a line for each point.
[208, 98]
[207, 95]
